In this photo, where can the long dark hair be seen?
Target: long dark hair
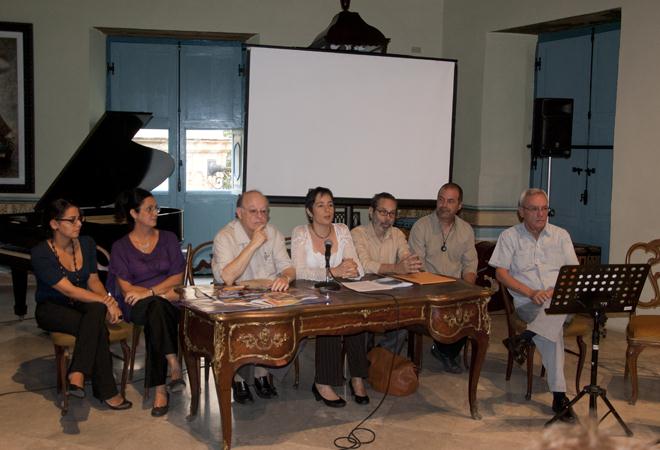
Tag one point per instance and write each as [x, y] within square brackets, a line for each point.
[127, 200]
[55, 210]
[311, 198]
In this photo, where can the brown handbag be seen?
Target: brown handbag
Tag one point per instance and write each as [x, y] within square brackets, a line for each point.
[403, 380]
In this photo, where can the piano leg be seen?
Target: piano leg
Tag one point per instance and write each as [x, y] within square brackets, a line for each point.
[19, 283]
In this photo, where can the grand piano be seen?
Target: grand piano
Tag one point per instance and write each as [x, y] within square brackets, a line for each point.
[106, 163]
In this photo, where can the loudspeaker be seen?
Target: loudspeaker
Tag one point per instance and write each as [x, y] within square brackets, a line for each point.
[552, 126]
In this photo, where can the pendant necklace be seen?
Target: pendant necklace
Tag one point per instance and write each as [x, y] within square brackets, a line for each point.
[143, 247]
[323, 238]
[444, 238]
[76, 282]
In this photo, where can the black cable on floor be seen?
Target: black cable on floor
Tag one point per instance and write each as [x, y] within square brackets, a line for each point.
[353, 441]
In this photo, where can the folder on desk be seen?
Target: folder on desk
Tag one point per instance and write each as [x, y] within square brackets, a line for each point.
[424, 278]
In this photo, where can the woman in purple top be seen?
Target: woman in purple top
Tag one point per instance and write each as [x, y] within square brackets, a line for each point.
[145, 266]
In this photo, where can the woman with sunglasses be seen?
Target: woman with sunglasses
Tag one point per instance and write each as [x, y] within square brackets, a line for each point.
[145, 266]
[71, 299]
[308, 254]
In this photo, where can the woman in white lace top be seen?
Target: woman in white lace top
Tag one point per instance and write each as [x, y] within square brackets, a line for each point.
[308, 254]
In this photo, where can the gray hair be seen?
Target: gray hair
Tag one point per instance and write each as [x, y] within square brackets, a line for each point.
[529, 193]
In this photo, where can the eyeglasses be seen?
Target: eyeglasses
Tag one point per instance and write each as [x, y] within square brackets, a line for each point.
[72, 220]
[384, 212]
[151, 209]
[536, 209]
[258, 212]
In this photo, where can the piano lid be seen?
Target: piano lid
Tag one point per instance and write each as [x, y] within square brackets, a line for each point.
[108, 162]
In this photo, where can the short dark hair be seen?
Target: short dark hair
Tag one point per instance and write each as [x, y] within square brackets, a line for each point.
[378, 197]
[55, 210]
[127, 200]
[454, 186]
[311, 198]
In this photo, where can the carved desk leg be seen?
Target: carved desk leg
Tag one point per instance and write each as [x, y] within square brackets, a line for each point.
[192, 364]
[479, 345]
[223, 378]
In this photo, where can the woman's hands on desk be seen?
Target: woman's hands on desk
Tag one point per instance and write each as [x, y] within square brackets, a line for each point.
[347, 269]
[280, 284]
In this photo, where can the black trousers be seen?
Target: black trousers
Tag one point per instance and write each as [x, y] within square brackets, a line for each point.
[451, 350]
[91, 354]
[329, 358]
[160, 320]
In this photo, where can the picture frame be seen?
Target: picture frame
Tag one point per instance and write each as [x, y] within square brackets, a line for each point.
[16, 108]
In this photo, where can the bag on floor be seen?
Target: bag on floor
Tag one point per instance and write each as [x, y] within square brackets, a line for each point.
[403, 380]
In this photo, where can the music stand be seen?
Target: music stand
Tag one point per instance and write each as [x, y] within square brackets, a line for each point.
[597, 290]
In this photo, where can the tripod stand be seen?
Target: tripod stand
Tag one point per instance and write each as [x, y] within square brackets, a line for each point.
[597, 290]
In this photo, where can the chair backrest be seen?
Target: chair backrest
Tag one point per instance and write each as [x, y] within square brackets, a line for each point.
[198, 262]
[102, 263]
[648, 252]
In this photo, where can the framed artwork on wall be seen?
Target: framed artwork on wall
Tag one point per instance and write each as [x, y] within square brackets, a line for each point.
[16, 108]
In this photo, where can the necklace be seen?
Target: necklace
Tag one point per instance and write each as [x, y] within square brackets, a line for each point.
[323, 238]
[444, 238]
[65, 272]
[142, 246]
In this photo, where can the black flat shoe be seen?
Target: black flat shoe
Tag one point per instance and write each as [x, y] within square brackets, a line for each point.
[339, 403]
[359, 399]
[242, 392]
[126, 404]
[76, 391]
[159, 411]
[448, 364]
[177, 385]
[518, 348]
[264, 388]
[569, 416]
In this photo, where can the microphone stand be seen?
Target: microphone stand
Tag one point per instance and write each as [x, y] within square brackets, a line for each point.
[329, 284]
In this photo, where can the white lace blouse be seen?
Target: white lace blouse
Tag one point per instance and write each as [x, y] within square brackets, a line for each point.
[309, 264]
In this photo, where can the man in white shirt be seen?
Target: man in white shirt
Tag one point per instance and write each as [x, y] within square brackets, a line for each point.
[249, 248]
[527, 259]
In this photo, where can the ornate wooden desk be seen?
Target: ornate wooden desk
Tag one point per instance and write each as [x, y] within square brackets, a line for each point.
[447, 312]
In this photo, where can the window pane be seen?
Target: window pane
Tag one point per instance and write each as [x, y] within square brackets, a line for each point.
[210, 160]
[157, 139]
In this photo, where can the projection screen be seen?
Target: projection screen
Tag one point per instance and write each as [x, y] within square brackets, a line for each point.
[355, 123]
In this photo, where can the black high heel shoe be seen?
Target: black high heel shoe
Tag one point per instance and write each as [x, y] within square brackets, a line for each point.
[359, 399]
[125, 404]
[339, 403]
[75, 391]
[158, 411]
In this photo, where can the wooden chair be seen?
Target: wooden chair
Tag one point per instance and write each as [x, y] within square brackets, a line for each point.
[197, 263]
[62, 342]
[643, 330]
[578, 328]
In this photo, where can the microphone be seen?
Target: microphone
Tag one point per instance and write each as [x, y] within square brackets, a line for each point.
[329, 284]
[328, 251]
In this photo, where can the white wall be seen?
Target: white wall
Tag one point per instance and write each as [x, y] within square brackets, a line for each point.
[468, 26]
[69, 54]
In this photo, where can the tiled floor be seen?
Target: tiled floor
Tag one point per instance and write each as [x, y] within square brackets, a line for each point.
[436, 416]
